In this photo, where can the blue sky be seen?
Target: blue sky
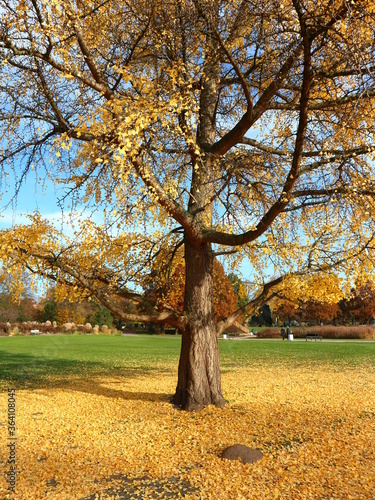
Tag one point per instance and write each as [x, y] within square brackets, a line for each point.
[32, 197]
[42, 196]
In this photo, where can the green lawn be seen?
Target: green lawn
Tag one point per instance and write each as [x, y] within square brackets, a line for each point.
[27, 361]
[298, 352]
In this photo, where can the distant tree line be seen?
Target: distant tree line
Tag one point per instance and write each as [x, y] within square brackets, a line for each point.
[357, 308]
[230, 293]
[49, 309]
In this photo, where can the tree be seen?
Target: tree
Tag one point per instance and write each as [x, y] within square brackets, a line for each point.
[102, 317]
[49, 312]
[241, 129]
[318, 311]
[263, 316]
[171, 291]
[24, 309]
[313, 310]
[285, 311]
[8, 309]
[360, 306]
[239, 288]
[225, 300]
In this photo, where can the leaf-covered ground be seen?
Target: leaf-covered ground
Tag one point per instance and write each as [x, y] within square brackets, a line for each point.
[95, 435]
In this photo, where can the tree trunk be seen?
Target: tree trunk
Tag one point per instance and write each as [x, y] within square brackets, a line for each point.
[199, 379]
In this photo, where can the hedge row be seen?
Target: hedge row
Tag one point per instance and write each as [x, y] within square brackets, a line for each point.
[25, 328]
[363, 332]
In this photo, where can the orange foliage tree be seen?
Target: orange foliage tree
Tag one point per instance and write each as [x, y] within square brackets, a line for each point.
[317, 311]
[361, 305]
[310, 310]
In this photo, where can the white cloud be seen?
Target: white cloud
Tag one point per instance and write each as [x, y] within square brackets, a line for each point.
[63, 221]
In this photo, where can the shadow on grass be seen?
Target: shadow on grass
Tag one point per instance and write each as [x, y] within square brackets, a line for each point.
[95, 387]
[23, 371]
[127, 488]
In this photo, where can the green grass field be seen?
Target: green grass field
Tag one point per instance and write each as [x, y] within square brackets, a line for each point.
[29, 360]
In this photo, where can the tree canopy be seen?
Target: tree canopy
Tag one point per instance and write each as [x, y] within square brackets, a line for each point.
[242, 129]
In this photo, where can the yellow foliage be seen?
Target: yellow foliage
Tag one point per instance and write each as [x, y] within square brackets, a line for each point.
[122, 94]
[324, 287]
[314, 425]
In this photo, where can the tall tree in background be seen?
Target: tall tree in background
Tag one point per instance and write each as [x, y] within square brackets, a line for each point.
[318, 311]
[242, 128]
[239, 288]
[312, 310]
[360, 306]
[285, 310]
[25, 308]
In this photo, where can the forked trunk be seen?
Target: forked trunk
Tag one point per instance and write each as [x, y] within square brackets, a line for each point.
[199, 379]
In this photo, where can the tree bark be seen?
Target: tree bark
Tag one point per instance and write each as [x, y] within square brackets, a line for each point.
[199, 378]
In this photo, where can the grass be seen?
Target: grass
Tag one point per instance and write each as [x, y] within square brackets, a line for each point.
[297, 353]
[30, 361]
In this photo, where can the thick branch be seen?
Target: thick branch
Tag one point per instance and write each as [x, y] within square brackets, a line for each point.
[261, 299]
[170, 205]
[172, 317]
[232, 137]
[281, 203]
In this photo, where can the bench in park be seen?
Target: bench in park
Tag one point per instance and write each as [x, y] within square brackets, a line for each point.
[313, 336]
[34, 332]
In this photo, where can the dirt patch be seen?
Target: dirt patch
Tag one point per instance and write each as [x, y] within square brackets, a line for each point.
[125, 488]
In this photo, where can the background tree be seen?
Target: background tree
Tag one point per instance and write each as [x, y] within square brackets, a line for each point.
[102, 317]
[56, 307]
[318, 311]
[360, 306]
[25, 308]
[49, 311]
[225, 299]
[235, 128]
[285, 310]
[263, 316]
[239, 288]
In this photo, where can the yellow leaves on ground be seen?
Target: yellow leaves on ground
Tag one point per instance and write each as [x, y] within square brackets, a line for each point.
[315, 426]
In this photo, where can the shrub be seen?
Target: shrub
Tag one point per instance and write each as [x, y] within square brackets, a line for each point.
[362, 332]
[269, 333]
[5, 328]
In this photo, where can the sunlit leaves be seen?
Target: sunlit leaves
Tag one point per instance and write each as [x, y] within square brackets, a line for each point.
[138, 109]
[313, 423]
